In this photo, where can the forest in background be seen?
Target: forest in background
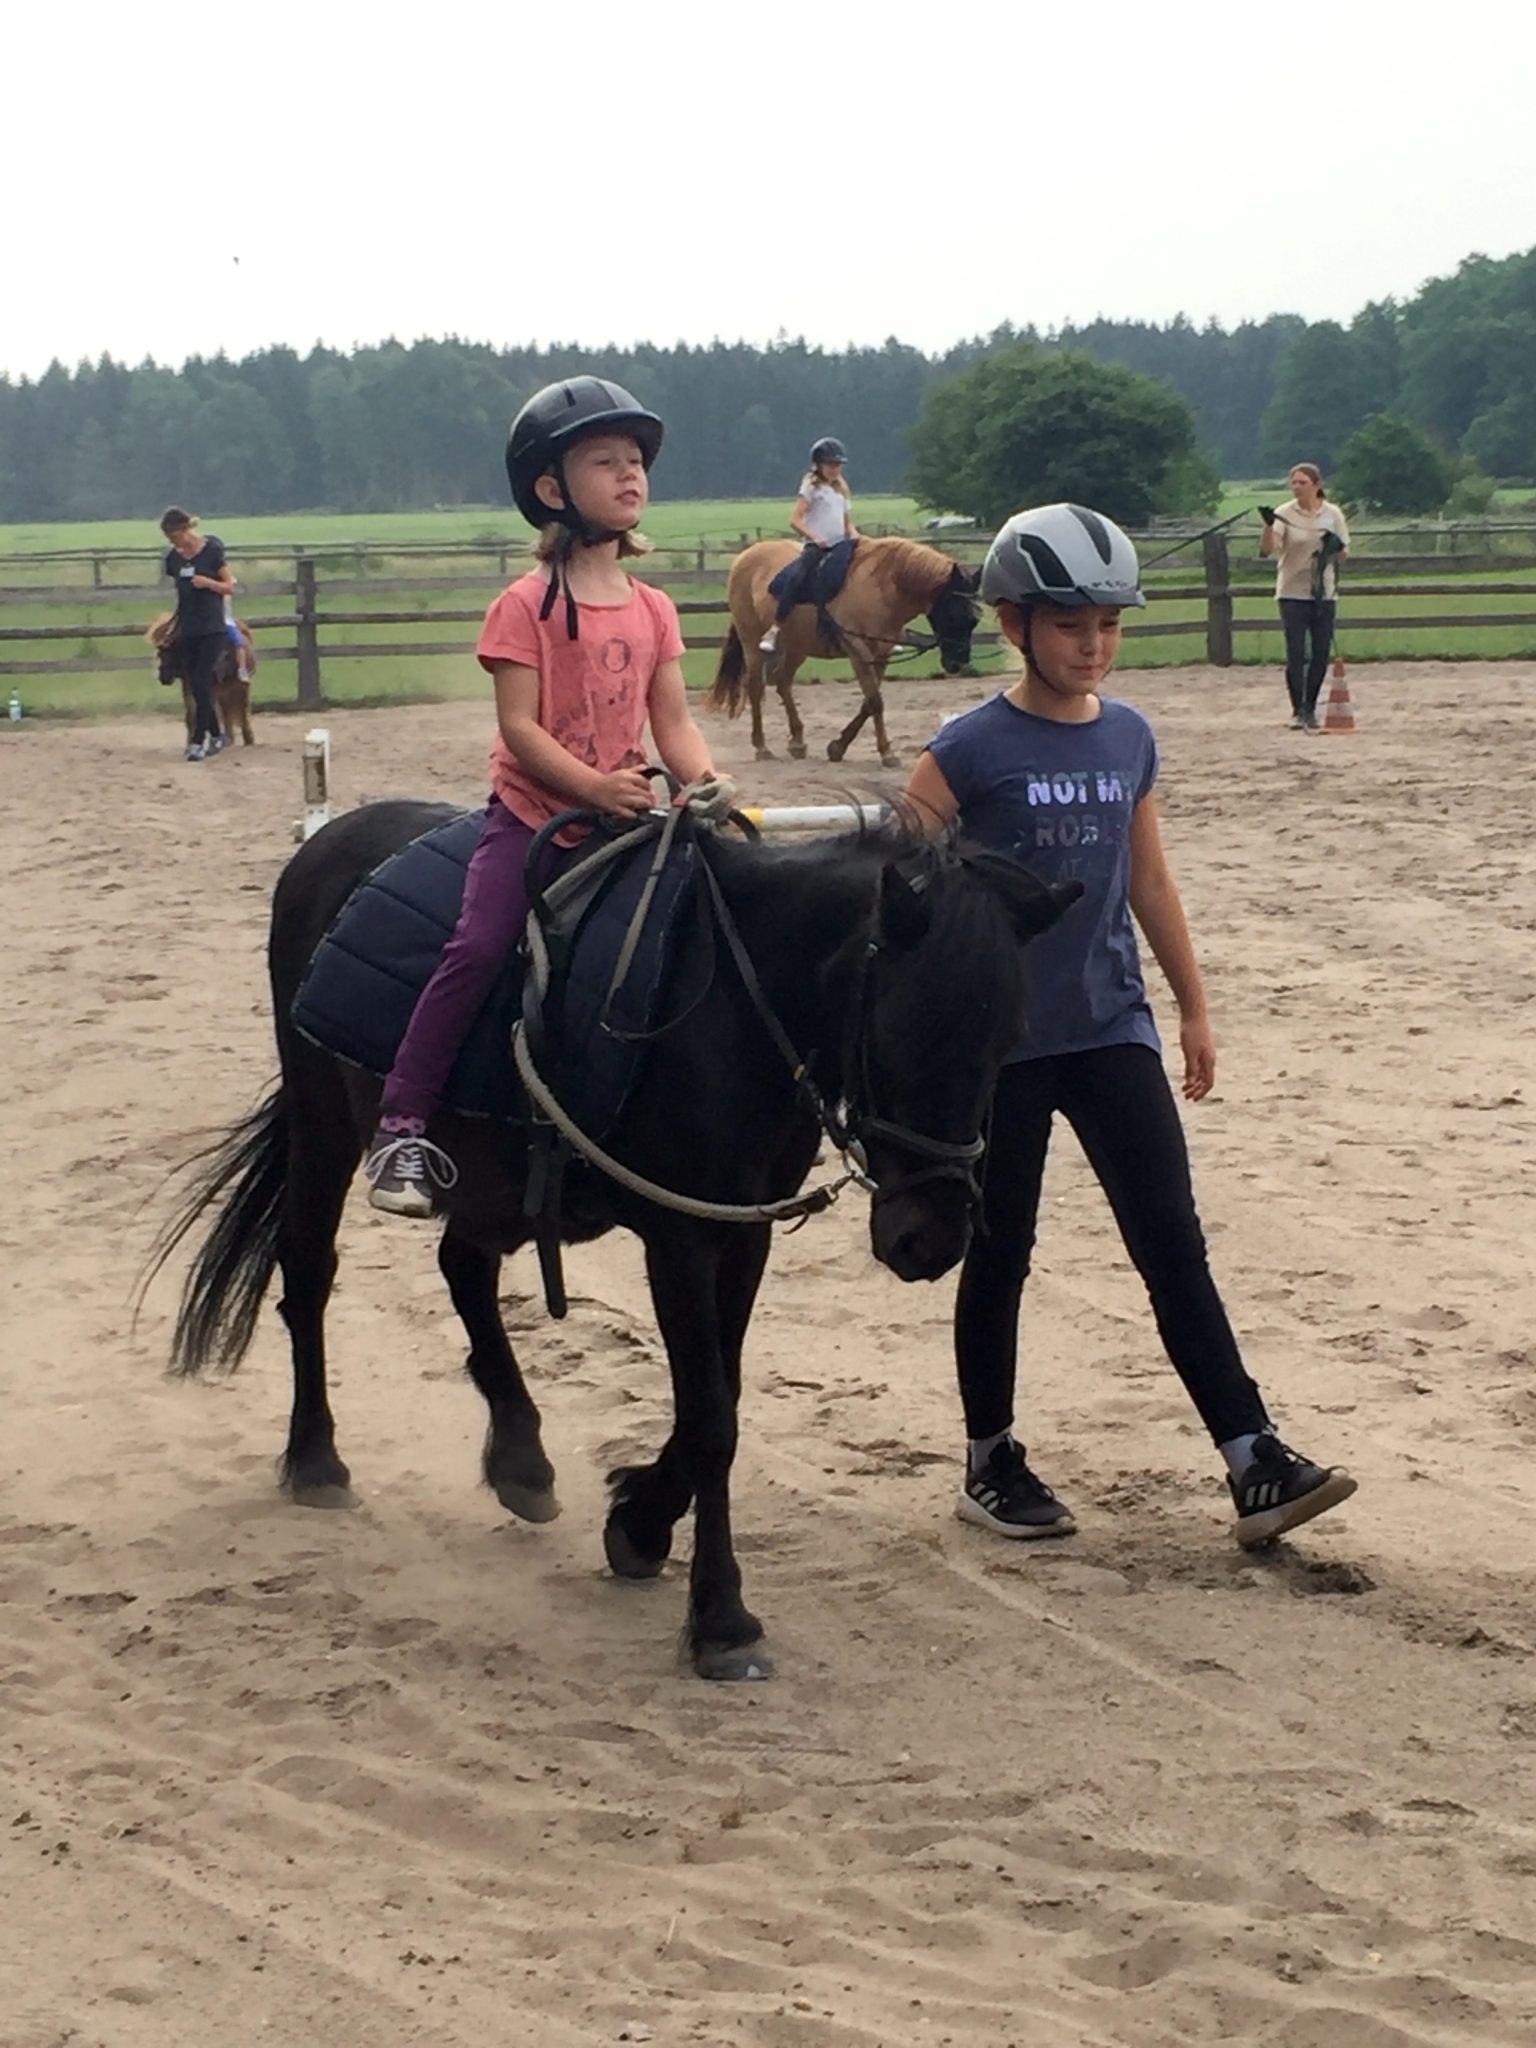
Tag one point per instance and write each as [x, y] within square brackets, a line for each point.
[399, 426]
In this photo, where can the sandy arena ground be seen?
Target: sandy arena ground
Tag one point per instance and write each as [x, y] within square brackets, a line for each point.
[419, 1775]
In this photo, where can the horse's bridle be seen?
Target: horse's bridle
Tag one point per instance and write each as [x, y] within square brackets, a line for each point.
[947, 1159]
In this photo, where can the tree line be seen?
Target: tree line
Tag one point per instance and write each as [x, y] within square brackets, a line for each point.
[397, 426]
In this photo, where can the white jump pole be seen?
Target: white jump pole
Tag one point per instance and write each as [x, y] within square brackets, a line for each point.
[766, 817]
[813, 817]
[317, 783]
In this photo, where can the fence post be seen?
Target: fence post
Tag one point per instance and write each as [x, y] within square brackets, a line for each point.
[96, 570]
[1218, 601]
[308, 634]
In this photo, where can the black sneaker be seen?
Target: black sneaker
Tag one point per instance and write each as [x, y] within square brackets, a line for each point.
[1279, 1491]
[1007, 1498]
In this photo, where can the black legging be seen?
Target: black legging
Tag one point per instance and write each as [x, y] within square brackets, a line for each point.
[1305, 617]
[1120, 1105]
[200, 657]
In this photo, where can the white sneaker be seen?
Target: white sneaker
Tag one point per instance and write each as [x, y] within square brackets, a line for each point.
[196, 751]
[769, 644]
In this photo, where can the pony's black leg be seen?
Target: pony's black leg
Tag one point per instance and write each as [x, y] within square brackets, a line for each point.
[650, 1500]
[323, 1153]
[516, 1469]
[647, 1502]
[703, 1281]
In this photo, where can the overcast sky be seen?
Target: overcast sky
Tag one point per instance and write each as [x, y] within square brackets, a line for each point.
[669, 170]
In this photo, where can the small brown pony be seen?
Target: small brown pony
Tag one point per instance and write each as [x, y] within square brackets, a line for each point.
[231, 695]
[889, 583]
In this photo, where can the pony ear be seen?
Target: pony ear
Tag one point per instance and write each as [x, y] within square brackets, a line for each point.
[903, 915]
[1042, 907]
[1032, 906]
[968, 580]
[1045, 908]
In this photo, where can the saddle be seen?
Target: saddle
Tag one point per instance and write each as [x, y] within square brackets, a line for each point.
[593, 1023]
[815, 576]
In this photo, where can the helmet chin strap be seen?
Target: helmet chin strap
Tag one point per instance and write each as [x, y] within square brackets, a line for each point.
[579, 532]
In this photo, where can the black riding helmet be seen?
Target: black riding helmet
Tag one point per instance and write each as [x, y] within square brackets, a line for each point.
[545, 431]
[554, 419]
[828, 449]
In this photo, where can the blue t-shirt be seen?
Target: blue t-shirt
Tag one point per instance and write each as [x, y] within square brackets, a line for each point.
[1058, 798]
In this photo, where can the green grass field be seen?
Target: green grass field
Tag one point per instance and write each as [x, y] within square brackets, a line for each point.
[721, 521]
[359, 549]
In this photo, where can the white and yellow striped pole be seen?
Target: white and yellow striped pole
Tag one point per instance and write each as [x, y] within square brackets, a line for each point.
[813, 817]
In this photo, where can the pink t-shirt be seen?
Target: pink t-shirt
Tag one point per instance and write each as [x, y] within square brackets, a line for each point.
[594, 692]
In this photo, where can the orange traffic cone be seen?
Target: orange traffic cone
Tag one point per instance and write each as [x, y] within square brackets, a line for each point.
[1340, 714]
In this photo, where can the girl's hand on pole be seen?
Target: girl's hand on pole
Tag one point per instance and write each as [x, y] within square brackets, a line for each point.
[1199, 1045]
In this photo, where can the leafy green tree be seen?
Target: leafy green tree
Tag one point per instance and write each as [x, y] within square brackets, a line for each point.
[1394, 465]
[1327, 383]
[1033, 425]
[1472, 493]
[1502, 440]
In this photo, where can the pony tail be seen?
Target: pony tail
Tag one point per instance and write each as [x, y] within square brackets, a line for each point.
[725, 692]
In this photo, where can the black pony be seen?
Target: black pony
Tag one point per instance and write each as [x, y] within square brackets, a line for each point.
[894, 966]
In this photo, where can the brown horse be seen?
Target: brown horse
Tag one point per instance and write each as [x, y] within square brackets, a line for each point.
[231, 692]
[890, 583]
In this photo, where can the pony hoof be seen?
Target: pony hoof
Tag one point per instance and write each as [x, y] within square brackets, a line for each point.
[733, 1663]
[528, 1503]
[766, 754]
[835, 750]
[324, 1494]
[625, 1560]
[797, 750]
[890, 760]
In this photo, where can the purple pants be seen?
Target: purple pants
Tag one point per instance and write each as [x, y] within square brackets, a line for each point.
[490, 924]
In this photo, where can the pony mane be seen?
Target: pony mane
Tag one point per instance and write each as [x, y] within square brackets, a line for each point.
[967, 922]
[909, 565]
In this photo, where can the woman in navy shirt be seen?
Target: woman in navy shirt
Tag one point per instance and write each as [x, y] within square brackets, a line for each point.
[1061, 779]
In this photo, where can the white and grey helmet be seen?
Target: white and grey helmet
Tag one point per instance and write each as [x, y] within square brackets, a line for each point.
[1061, 554]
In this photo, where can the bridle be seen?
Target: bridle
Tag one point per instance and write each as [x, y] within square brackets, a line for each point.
[939, 1158]
[946, 1159]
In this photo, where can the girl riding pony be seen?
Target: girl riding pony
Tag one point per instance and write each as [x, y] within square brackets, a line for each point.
[582, 658]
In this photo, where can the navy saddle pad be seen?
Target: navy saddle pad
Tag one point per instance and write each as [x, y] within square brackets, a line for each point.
[361, 986]
[815, 575]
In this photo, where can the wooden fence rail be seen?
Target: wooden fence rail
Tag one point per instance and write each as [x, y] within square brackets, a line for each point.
[303, 621]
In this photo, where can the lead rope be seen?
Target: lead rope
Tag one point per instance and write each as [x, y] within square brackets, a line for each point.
[796, 1208]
